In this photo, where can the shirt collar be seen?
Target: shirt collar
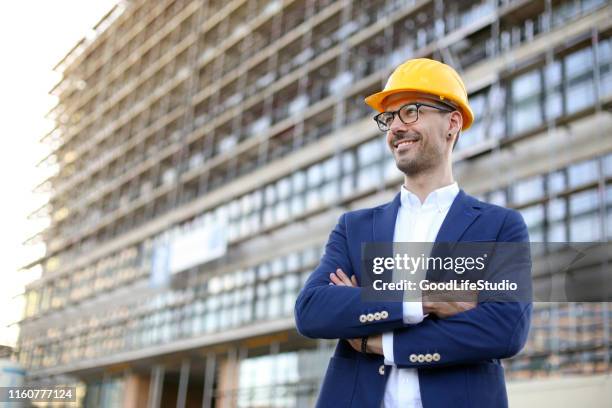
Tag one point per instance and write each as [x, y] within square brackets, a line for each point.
[440, 199]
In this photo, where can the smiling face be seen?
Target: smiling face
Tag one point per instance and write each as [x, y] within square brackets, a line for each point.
[424, 145]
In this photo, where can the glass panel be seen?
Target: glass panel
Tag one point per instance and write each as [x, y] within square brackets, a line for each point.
[585, 228]
[526, 85]
[526, 109]
[369, 152]
[332, 168]
[526, 115]
[585, 201]
[315, 175]
[284, 188]
[582, 173]
[556, 182]
[347, 187]
[368, 177]
[557, 232]
[348, 162]
[270, 194]
[533, 215]
[528, 190]
[299, 181]
[580, 86]
[557, 209]
[607, 165]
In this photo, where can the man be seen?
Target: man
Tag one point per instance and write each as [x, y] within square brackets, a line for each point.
[415, 354]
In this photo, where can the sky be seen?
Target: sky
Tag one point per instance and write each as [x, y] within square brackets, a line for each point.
[34, 36]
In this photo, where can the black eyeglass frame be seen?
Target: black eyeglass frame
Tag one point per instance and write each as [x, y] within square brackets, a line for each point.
[385, 128]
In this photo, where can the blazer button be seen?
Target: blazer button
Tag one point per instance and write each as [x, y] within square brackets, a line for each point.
[377, 316]
[413, 358]
[428, 358]
[436, 357]
[381, 370]
[420, 358]
[384, 314]
[370, 317]
[363, 318]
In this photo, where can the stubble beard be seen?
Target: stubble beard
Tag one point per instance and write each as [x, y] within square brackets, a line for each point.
[424, 162]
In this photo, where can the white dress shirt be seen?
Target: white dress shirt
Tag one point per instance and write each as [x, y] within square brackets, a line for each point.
[415, 222]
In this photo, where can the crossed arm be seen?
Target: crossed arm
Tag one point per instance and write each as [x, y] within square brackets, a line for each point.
[439, 308]
[329, 306]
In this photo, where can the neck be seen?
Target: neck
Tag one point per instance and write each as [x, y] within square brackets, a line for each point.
[424, 183]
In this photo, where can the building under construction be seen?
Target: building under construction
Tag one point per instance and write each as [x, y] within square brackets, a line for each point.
[205, 149]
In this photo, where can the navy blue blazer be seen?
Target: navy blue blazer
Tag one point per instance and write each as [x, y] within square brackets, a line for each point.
[466, 371]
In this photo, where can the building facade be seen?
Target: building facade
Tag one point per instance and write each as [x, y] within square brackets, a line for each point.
[205, 149]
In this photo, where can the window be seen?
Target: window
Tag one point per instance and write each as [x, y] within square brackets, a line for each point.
[369, 152]
[270, 194]
[557, 209]
[554, 95]
[329, 192]
[297, 205]
[585, 228]
[605, 67]
[534, 218]
[526, 107]
[477, 132]
[368, 177]
[331, 168]
[529, 189]
[348, 162]
[299, 181]
[580, 87]
[582, 173]
[284, 188]
[607, 165]
[556, 182]
[584, 202]
[313, 199]
[556, 213]
[609, 210]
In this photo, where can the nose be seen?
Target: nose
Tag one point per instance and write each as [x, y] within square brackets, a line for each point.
[397, 126]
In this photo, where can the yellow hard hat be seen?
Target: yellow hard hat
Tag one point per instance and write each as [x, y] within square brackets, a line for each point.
[427, 76]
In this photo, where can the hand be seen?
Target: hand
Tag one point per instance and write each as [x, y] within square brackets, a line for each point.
[374, 344]
[447, 304]
[339, 278]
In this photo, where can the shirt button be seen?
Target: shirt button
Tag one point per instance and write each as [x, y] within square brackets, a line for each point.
[435, 357]
[384, 314]
[370, 317]
[428, 358]
[420, 358]
[381, 370]
[413, 358]
[363, 318]
[377, 316]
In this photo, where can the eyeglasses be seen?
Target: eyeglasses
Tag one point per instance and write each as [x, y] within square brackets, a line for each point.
[408, 113]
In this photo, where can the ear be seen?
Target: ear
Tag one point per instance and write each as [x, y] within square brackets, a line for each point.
[455, 124]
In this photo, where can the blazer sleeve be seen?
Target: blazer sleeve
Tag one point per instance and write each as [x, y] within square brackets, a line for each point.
[331, 312]
[492, 330]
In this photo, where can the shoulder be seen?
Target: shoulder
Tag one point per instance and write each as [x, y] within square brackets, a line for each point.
[508, 215]
[494, 210]
[361, 214]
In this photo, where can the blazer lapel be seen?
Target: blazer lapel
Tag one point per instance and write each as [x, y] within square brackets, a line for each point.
[384, 220]
[462, 213]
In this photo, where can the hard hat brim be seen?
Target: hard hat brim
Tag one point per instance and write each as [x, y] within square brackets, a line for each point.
[375, 101]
